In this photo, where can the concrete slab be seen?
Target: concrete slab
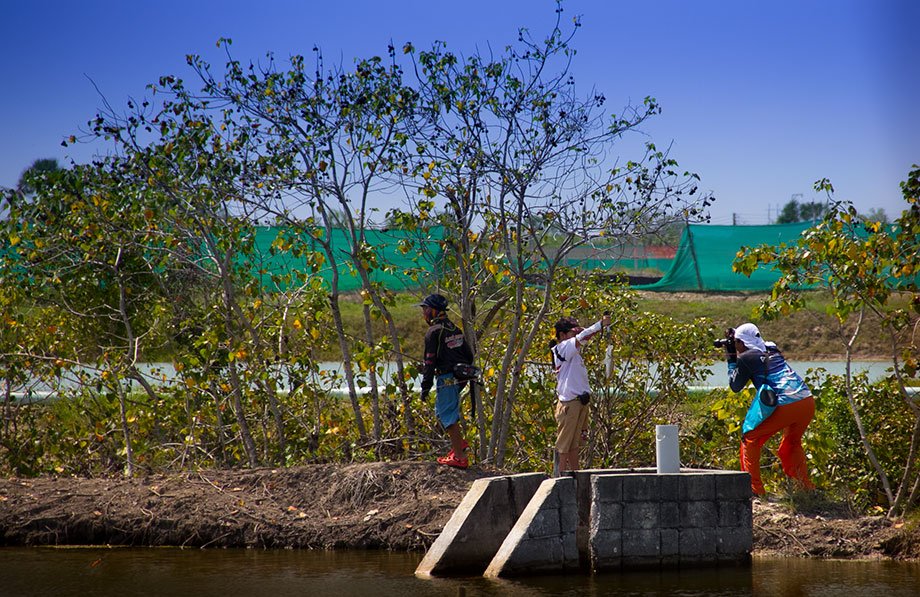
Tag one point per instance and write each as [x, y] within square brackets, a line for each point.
[478, 526]
[530, 547]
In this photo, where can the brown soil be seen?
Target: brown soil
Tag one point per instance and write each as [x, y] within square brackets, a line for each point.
[830, 532]
[397, 506]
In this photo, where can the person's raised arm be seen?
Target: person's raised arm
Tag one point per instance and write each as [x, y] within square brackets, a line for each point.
[598, 327]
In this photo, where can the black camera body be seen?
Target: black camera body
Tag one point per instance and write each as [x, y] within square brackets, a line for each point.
[728, 341]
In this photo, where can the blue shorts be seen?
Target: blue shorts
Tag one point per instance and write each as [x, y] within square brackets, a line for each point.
[447, 402]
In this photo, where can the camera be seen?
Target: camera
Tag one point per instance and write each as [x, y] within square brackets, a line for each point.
[728, 341]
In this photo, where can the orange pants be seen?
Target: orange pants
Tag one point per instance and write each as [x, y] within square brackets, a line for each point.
[792, 420]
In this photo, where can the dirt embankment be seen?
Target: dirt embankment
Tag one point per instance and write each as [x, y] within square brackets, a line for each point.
[398, 506]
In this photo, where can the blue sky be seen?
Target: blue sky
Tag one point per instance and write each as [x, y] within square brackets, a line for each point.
[760, 98]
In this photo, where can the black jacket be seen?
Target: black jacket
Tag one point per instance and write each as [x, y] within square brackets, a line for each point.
[445, 346]
[751, 365]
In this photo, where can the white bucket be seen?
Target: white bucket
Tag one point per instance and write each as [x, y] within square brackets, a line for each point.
[666, 450]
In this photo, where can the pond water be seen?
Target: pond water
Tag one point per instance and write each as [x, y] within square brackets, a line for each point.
[52, 572]
[717, 378]
[874, 369]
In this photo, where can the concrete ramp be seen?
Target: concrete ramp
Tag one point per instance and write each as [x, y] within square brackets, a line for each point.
[543, 539]
[480, 523]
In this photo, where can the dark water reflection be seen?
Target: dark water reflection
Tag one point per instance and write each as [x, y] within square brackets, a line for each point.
[52, 572]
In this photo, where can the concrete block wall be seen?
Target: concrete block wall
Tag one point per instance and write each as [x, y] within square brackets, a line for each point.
[639, 518]
[543, 538]
[480, 523]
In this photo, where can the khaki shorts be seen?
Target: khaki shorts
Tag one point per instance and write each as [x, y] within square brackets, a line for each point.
[572, 418]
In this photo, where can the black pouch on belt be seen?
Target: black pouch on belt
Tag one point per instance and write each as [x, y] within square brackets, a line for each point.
[768, 396]
[584, 398]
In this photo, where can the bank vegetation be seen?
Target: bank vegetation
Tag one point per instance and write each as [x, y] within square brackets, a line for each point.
[149, 252]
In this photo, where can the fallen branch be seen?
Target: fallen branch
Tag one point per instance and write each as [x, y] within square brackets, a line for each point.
[787, 534]
[211, 483]
[215, 539]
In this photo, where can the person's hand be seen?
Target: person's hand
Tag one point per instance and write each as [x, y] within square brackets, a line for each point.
[730, 349]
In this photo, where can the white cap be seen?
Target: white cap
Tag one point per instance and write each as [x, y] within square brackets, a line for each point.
[750, 335]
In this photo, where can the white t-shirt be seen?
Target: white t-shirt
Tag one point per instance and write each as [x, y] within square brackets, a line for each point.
[571, 374]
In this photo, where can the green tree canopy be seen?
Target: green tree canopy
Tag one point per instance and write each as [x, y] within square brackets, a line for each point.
[794, 212]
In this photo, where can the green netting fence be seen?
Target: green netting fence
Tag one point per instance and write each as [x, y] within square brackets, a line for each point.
[704, 258]
[406, 259]
[411, 259]
[627, 264]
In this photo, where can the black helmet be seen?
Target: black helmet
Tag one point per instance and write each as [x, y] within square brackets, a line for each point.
[436, 301]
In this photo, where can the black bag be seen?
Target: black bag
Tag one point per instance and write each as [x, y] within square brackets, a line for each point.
[465, 371]
[584, 398]
[768, 396]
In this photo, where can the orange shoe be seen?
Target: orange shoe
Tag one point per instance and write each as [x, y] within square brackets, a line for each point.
[451, 460]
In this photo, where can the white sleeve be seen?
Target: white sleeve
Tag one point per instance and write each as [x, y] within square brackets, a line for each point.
[588, 332]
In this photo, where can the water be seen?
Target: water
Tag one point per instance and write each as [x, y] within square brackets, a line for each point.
[62, 572]
[875, 370]
[718, 378]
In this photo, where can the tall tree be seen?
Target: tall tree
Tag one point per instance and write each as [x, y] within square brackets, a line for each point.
[88, 252]
[525, 164]
[794, 211]
[328, 142]
[39, 168]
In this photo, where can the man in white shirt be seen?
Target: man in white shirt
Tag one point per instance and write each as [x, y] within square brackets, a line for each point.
[573, 391]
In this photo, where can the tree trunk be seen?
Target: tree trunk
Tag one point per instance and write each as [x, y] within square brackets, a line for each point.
[854, 409]
[372, 376]
[898, 506]
[125, 428]
[374, 295]
[245, 434]
[505, 386]
[347, 362]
